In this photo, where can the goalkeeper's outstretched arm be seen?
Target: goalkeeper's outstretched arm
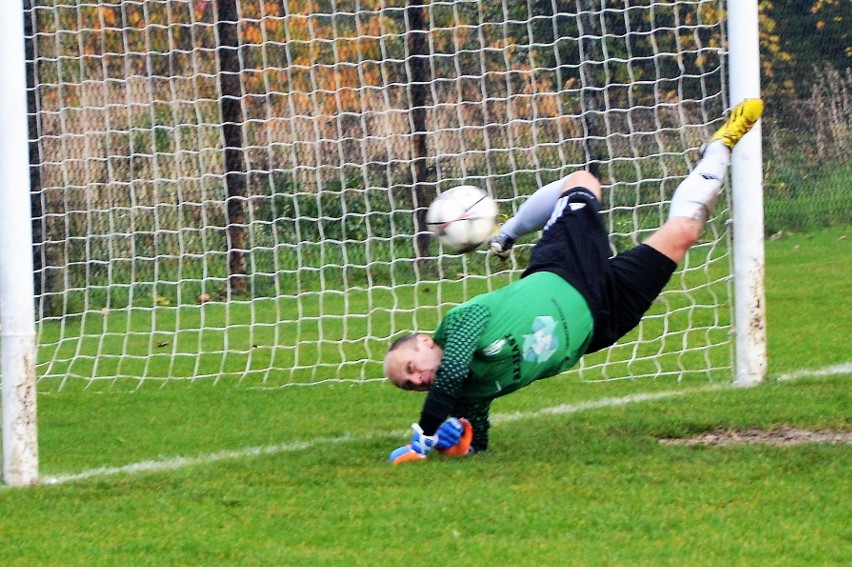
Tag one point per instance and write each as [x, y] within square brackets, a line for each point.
[440, 366]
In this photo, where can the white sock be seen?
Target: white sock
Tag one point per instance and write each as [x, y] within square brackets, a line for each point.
[696, 195]
[534, 212]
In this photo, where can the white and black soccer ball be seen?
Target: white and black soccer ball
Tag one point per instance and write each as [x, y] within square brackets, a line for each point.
[462, 218]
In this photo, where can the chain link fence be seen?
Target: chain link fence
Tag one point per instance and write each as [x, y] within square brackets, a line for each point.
[807, 151]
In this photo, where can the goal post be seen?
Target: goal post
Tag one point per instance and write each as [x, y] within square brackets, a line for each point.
[747, 191]
[233, 192]
[17, 311]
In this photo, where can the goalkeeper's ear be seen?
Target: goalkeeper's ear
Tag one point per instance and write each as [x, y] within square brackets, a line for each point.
[463, 447]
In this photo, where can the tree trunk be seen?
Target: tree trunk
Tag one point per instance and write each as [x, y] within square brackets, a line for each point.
[590, 97]
[417, 64]
[232, 133]
[37, 209]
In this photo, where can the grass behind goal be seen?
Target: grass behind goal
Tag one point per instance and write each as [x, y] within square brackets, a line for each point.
[297, 476]
[273, 342]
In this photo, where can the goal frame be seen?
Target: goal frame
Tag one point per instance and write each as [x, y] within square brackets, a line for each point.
[17, 295]
[747, 191]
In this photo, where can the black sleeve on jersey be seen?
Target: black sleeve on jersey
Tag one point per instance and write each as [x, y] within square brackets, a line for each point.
[458, 335]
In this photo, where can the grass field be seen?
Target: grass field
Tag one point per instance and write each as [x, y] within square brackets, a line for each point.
[205, 475]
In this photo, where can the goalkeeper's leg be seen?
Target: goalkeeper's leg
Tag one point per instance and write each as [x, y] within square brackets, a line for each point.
[695, 198]
[692, 204]
[640, 274]
[534, 213]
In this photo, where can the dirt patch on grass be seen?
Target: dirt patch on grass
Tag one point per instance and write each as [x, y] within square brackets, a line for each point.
[781, 436]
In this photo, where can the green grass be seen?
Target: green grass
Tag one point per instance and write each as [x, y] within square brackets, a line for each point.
[808, 288]
[588, 488]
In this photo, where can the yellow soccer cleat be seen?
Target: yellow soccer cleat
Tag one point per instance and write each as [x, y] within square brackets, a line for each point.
[741, 120]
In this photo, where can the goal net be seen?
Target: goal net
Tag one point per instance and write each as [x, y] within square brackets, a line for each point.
[233, 191]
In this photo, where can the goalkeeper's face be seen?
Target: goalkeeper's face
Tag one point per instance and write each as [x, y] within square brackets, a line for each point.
[413, 364]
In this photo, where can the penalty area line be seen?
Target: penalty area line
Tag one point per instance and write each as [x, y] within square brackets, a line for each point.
[175, 463]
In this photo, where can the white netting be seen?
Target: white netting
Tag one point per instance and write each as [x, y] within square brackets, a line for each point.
[343, 119]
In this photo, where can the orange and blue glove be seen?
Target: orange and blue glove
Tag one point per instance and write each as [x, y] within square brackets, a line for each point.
[455, 437]
[417, 449]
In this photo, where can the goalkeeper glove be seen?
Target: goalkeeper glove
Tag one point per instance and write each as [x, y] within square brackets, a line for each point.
[454, 437]
[417, 449]
[501, 246]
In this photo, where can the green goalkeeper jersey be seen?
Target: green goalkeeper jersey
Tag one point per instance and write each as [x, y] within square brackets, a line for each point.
[501, 341]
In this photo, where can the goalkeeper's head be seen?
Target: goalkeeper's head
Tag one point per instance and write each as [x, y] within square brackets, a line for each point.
[412, 361]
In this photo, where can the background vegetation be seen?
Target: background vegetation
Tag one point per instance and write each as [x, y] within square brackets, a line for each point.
[130, 152]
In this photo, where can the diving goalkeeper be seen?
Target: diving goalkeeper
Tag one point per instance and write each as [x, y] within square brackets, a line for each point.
[571, 300]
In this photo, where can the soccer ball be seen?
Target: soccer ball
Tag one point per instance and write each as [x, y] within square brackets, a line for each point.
[462, 218]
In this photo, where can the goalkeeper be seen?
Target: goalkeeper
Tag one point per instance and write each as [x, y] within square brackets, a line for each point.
[571, 300]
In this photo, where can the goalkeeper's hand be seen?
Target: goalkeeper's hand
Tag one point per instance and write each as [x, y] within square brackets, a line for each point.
[416, 450]
[501, 246]
[454, 437]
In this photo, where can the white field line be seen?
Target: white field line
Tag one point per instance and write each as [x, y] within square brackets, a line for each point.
[842, 368]
[174, 463]
[597, 404]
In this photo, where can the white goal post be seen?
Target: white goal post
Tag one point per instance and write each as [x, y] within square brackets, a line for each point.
[747, 181]
[17, 313]
[233, 191]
